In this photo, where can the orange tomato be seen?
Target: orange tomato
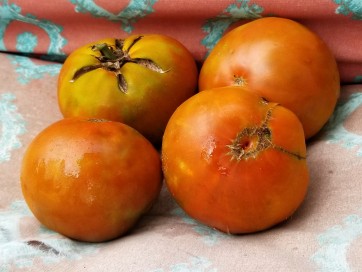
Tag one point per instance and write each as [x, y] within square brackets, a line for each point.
[90, 179]
[234, 161]
[282, 61]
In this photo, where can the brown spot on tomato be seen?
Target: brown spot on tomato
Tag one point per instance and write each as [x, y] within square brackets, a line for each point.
[239, 80]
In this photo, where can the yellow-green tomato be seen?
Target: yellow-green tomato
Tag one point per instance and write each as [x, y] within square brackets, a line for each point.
[139, 81]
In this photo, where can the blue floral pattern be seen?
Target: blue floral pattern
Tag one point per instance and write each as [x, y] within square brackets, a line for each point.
[334, 244]
[50, 247]
[12, 12]
[200, 253]
[12, 125]
[27, 70]
[336, 133]
[194, 264]
[208, 236]
[27, 41]
[215, 27]
[358, 79]
[135, 10]
[350, 7]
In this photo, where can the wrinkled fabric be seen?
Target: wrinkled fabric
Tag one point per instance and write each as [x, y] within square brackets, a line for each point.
[58, 27]
[325, 234]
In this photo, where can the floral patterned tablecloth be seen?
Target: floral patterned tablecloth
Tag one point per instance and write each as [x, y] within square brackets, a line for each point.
[325, 234]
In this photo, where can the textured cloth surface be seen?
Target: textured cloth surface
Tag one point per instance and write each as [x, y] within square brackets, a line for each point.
[325, 234]
[56, 28]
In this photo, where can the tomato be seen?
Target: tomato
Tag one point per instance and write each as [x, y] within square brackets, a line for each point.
[282, 61]
[234, 161]
[139, 81]
[90, 179]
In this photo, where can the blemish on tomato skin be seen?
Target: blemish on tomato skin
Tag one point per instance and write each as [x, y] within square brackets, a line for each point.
[224, 171]
[239, 80]
[97, 120]
[185, 168]
[208, 149]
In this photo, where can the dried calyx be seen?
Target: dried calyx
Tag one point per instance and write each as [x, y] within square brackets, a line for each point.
[249, 142]
[113, 58]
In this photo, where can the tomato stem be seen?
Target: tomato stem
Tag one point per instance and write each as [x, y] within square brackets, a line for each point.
[113, 58]
[105, 50]
[249, 142]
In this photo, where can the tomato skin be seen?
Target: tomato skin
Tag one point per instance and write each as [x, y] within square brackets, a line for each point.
[211, 185]
[283, 62]
[90, 180]
[151, 96]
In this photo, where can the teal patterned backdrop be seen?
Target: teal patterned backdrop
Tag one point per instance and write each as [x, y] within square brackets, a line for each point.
[333, 242]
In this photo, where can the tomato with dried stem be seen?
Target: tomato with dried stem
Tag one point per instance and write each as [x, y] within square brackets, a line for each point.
[235, 161]
[139, 81]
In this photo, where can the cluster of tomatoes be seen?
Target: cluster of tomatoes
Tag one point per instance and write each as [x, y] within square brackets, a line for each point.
[233, 155]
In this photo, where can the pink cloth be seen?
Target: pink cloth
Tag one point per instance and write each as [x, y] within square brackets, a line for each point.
[325, 234]
[61, 26]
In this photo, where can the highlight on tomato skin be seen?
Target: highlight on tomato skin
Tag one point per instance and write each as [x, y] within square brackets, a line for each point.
[234, 161]
[282, 61]
[90, 179]
[138, 80]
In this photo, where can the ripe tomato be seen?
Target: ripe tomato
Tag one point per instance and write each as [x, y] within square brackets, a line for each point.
[283, 62]
[234, 161]
[90, 179]
[139, 81]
